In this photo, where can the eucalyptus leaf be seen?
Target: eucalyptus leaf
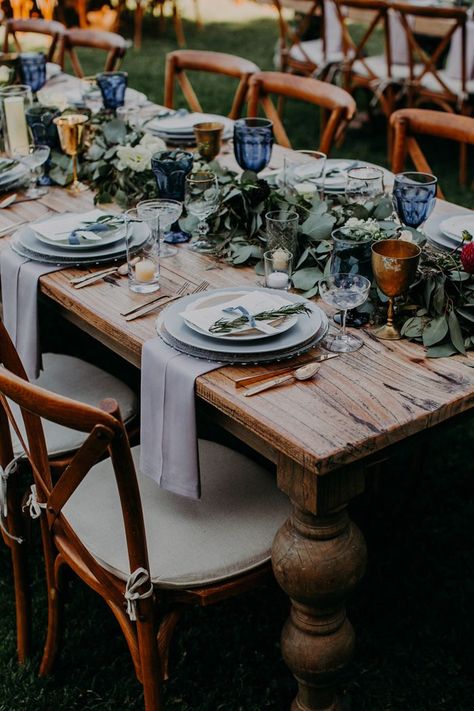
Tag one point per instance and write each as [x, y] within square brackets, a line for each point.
[455, 332]
[318, 227]
[240, 255]
[413, 327]
[458, 275]
[306, 279]
[384, 209]
[435, 331]
[441, 351]
[115, 131]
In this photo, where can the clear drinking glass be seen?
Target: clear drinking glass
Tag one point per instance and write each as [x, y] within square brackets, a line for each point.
[414, 197]
[169, 212]
[201, 199]
[344, 291]
[33, 157]
[143, 261]
[282, 230]
[364, 184]
[278, 265]
[303, 173]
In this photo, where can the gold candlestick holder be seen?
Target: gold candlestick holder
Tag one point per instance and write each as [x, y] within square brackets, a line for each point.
[70, 131]
[208, 139]
[394, 263]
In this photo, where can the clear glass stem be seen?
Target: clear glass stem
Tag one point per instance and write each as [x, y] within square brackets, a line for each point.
[343, 316]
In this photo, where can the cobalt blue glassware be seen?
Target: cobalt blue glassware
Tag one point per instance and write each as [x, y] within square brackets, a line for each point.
[414, 197]
[170, 169]
[33, 69]
[44, 133]
[253, 143]
[112, 86]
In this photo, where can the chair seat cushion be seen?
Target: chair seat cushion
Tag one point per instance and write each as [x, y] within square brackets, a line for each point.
[190, 543]
[430, 83]
[378, 66]
[313, 50]
[79, 380]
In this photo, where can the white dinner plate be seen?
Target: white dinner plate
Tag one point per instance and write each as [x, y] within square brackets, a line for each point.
[247, 334]
[453, 227]
[114, 235]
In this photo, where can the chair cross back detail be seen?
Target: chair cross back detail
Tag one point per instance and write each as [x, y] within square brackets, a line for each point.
[356, 50]
[112, 43]
[214, 62]
[290, 37]
[338, 104]
[49, 28]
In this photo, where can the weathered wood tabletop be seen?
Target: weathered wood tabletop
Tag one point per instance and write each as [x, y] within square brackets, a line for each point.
[320, 433]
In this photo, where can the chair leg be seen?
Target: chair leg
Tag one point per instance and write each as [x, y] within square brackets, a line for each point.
[55, 612]
[165, 633]
[149, 658]
[22, 600]
[178, 26]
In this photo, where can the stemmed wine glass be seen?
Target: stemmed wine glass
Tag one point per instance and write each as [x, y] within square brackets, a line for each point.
[253, 143]
[414, 197]
[33, 157]
[201, 199]
[169, 212]
[364, 184]
[344, 291]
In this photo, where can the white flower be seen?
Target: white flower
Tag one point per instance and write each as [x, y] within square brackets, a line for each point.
[406, 236]
[153, 143]
[4, 74]
[136, 158]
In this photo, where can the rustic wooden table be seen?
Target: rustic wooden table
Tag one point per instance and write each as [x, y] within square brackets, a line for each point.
[323, 435]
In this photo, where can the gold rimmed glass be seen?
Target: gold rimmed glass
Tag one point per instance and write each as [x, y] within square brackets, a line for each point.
[208, 139]
[71, 131]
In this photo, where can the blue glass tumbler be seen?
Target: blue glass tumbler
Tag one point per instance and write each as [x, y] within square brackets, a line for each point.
[112, 86]
[414, 197]
[170, 169]
[253, 143]
[33, 69]
[40, 121]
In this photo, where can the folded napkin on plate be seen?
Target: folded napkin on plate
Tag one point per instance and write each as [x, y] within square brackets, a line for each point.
[254, 302]
[19, 278]
[57, 229]
[169, 450]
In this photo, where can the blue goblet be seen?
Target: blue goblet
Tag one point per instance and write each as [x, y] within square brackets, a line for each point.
[40, 120]
[33, 69]
[253, 142]
[112, 86]
[414, 197]
[170, 169]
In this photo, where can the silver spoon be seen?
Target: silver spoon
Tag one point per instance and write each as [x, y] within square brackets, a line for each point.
[306, 372]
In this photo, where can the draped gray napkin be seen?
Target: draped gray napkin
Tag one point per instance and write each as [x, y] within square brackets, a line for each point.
[169, 450]
[19, 278]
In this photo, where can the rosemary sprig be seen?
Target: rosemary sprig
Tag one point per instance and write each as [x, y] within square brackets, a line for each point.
[223, 325]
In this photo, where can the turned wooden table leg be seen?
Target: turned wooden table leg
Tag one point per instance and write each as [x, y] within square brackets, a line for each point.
[318, 558]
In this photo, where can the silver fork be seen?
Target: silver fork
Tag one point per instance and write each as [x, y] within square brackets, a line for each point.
[155, 303]
[181, 291]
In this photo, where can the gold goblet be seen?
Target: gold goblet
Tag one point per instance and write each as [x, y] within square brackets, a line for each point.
[70, 131]
[208, 139]
[394, 263]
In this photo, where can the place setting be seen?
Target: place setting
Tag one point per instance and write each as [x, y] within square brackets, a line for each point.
[178, 128]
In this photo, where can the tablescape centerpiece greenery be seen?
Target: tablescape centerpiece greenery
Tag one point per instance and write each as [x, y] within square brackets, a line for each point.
[437, 310]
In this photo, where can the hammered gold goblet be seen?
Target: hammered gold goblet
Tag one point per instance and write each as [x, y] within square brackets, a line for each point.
[70, 131]
[394, 263]
[208, 139]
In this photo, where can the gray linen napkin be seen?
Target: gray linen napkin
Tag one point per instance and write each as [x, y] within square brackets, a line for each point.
[19, 278]
[169, 450]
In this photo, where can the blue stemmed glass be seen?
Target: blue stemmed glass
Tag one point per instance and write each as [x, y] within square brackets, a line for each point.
[414, 197]
[40, 120]
[112, 86]
[253, 143]
[33, 69]
[170, 169]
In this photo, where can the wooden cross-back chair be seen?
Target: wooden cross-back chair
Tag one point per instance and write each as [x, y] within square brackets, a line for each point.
[48, 28]
[62, 374]
[182, 60]
[407, 124]
[338, 107]
[94, 511]
[141, 6]
[110, 42]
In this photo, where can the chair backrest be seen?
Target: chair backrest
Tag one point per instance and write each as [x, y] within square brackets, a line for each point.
[291, 37]
[337, 103]
[114, 44]
[408, 123]
[425, 65]
[49, 28]
[373, 14]
[107, 435]
[214, 62]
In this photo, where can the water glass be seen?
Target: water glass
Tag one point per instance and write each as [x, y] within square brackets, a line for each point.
[364, 184]
[304, 172]
[143, 261]
[129, 115]
[33, 157]
[253, 143]
[170, 169]
[202, 198]
[278, 265]
[282, 230]
[14, 101]
[33, 70]
[40, 121]
[169, 211]
[344, 291]
[414, 197]
[112, 86]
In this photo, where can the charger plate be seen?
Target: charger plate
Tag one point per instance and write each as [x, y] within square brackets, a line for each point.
[306, 334]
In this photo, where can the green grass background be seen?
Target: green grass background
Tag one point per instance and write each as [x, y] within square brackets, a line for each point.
[412, 612]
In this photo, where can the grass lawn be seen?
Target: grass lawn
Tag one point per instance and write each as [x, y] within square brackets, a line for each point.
[413, 611]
